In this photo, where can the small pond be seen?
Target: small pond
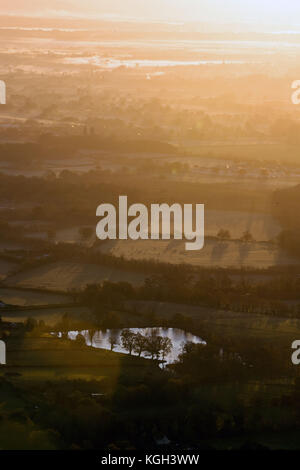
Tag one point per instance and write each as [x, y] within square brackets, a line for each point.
[101, 339]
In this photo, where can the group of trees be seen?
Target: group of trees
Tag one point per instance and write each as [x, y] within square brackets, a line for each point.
[224, 234]
[152, 344]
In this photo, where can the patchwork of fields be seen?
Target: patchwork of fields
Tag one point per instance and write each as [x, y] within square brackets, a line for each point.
[226, 254]
[64, 276]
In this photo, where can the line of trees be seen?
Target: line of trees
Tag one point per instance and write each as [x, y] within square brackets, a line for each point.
[153, 345]
[222, 291]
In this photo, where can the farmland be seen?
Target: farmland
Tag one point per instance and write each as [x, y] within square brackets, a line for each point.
[228, 324]
[50, 315]
[6, 268]
[226, 254]
[66, 276]
[25, 298]
[160, 113]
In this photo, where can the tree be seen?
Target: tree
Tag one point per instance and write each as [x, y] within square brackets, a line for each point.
[188, 347]
[113, 340]
[223, 234]
[30, 324]
[64, 324]
[80, 341]
[153, 342]
[247, 237]
[91, 333]
[166, 347]
[139, 344]
[128, 340]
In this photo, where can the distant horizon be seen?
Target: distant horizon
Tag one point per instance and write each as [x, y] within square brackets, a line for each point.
[188, 25]
[254, 15]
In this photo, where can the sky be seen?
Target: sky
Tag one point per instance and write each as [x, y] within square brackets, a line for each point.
[284, 13]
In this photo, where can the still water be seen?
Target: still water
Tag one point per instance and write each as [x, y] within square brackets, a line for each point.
[177, 336]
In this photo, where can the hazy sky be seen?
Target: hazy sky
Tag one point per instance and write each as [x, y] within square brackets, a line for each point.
[280, 12]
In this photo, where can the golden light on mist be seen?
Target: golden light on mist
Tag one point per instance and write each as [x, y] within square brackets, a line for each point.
[255, 12]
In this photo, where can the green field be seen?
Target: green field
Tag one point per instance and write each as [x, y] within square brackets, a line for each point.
[48, 358]
[25, 298]
[50, 315]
